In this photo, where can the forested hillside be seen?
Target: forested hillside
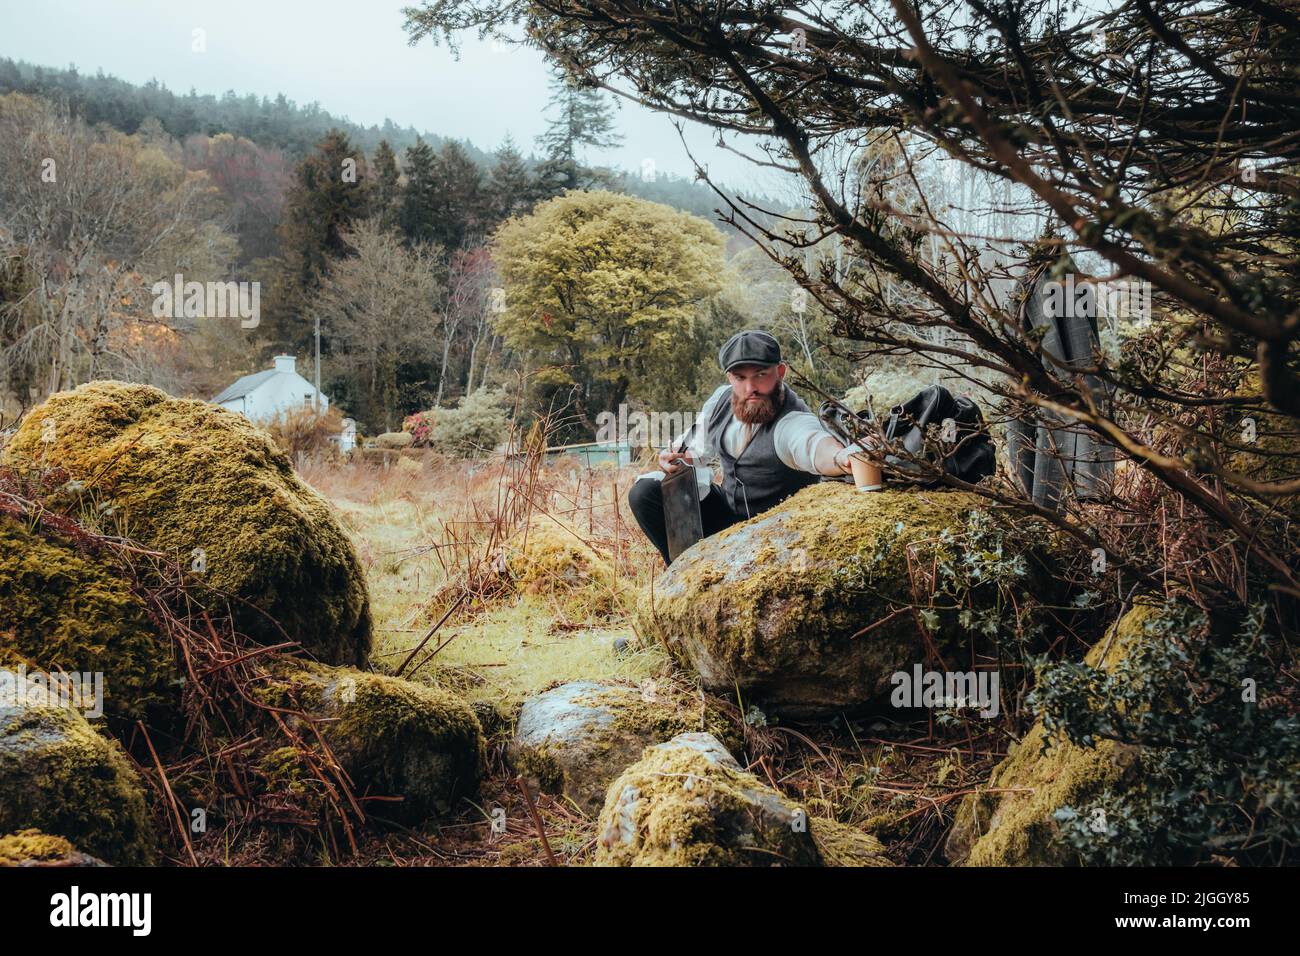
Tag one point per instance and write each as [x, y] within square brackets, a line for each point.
[315, 210]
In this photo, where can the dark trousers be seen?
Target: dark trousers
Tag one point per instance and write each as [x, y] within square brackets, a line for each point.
[647, 501]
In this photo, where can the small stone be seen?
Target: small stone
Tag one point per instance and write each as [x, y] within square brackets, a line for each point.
[576, 738]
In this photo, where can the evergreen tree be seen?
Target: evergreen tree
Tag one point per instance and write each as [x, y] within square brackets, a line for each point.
[420, 199]
[511, 189]
[460, 200]
[385, 199]
[583, 119]
[328, 194]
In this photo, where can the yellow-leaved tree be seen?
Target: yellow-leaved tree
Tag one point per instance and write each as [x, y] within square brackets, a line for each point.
[607, 299]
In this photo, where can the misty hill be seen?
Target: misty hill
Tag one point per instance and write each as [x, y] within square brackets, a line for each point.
[281, 123]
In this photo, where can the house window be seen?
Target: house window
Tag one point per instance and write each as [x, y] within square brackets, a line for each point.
[306, 400]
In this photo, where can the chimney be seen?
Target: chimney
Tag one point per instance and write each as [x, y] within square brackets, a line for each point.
[284, 363]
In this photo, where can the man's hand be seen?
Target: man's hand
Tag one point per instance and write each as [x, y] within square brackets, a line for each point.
[670, 461]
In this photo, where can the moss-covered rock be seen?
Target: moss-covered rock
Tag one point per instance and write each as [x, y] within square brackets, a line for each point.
[576, 738]
[65, 609]
[688, 803]
[1010, 822]
[395, 738]
[554, 561]
[394, 440]
[59, 776]
[778, 606]
[31, 847]
[842, 845]
[185, 475]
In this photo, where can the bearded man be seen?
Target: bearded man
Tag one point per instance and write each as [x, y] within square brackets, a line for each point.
[768, 441]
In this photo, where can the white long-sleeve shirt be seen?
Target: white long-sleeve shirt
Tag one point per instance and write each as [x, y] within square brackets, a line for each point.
[796, 436]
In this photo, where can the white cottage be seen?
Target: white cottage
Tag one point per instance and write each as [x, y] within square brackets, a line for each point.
[264, 395]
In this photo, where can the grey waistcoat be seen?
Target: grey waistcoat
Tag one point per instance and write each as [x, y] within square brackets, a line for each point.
[757, 479]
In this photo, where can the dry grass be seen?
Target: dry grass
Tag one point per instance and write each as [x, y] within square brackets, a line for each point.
[418, 523]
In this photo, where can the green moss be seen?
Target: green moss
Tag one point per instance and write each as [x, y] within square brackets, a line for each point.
[678, 807]
[32, 847]
[1010, 822]
[526, 851]
[182, 475]
[554, 561]
[284, 770]
[771, 605]
[395, 738]
[60, 776]
[65, 610]
[541, 765]
[1022, 831]
[842, 845]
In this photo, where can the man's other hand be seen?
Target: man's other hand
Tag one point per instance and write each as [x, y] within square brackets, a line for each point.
[671, 461]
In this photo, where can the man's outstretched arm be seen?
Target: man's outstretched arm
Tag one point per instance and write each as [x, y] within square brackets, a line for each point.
[803, 443]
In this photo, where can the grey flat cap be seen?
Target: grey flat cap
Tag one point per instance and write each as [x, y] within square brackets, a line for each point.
[750, 347]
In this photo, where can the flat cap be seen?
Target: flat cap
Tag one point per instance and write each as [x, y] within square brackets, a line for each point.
[750, 347]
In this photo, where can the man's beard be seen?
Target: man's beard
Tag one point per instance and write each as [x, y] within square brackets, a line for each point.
[758, 412]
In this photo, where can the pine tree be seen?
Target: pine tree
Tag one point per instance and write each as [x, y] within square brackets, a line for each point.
[511, 188]
[419, 201]
[460, 200]
[386, 192]
[328, 194]
[583, 119]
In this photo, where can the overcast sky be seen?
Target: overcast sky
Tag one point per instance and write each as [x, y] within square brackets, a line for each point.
[351, 56]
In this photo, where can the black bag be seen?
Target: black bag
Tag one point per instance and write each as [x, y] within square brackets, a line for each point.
[971, 457]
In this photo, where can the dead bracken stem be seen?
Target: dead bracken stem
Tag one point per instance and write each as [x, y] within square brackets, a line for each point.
[537, 820]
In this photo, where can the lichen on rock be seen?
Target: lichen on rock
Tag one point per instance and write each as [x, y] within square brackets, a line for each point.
[805, 607]
[576, 738]
[201, 482]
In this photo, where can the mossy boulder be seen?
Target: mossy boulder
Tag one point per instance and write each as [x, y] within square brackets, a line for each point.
[554, 561]
[1011, 822]
[185, 476]
[687, 802]
[59, 776]
[65, 608]
[842, 845]
[31, 847]
[394, 440]
[575, 739]
[804, 608]
[395, 738]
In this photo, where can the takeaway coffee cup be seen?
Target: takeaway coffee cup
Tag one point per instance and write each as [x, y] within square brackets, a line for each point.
[866, 473]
